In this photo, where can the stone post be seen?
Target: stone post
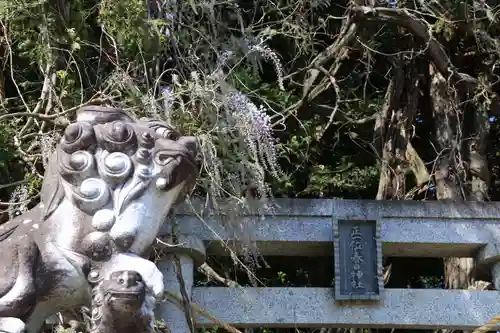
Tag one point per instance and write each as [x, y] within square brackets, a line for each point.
[489, 257]
[495, 275]
[191, 253]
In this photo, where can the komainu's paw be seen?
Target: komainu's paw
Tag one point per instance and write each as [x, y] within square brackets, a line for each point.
[154, 281]
[12, 325]
[152, 277]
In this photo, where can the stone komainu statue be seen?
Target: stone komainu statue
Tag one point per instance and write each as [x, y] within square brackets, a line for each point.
[106, 192]
[121, 303]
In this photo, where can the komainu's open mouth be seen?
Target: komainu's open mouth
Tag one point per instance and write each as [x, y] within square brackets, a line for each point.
[126, 295]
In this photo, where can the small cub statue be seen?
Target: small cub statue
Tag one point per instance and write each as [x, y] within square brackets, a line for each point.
[108, 188]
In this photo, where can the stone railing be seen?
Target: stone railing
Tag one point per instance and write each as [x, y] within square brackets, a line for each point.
[303, 227]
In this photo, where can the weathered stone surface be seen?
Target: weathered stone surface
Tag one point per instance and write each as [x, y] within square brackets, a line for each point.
[316, 307]
[190, 252]
[124, 292]
[312, 235]
[373, 209]
[170, 312]
[305, 228]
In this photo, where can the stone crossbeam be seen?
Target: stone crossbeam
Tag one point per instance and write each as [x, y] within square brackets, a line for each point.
[316, 307]
[371, 209]
[408, 228]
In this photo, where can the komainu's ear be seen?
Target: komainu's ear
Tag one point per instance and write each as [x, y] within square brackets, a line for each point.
[95, 114]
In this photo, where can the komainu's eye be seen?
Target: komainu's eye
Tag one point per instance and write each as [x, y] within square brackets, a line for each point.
[167, 133]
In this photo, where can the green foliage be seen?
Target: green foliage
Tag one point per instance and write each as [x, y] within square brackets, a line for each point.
[129, 27]
[122, 51]
[7, 157]
[128, 53]
[347, 179]
[7, 151]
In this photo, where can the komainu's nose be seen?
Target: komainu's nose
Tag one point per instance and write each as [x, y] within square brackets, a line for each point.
[191, 143]
[129, 278]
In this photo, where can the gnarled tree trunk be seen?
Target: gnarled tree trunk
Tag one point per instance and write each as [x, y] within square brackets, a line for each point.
[449, 171]
[461, 171]
[392, 139]
[393, 130]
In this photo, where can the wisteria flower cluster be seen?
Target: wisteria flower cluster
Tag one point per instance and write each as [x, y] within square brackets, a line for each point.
[254, 125]
[223, 58]
[20, 196]
[269, 54]
[168, 101]
[250, 45]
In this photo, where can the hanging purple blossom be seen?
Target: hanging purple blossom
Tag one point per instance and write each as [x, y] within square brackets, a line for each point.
[168, 99]
[255, 126]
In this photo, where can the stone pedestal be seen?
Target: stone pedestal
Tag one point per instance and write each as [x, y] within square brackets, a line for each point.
[488, 257]
[174, 316]
[191, 253]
